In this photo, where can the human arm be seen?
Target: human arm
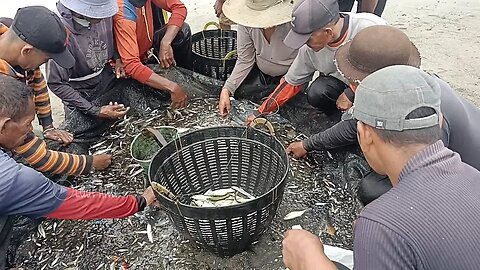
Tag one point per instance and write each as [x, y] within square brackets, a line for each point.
[44, 111]
[303, 250]
[125, 35]
[57, 78]
[300, 72]
[25, 191]
[175, 22]
[243, 66]
[378, 247]
[35, 152]
[341, 134]
[368, 5]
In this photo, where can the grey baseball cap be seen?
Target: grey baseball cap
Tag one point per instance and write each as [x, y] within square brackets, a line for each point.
[385, 98]
[309, 16]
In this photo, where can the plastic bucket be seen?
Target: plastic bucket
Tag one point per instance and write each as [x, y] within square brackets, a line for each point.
[144, 147]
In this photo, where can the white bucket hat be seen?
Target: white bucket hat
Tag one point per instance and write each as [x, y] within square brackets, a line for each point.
[96, 9]
[258, 13]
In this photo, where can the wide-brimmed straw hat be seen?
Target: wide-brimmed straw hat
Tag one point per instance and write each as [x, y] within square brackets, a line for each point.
[374, 48]
[96, 9]
[258, 13]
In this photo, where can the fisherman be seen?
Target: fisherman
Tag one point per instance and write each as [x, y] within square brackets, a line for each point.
[86, 88]
[373, 6]
[320, 25]
[35, 36]
[429, 220]
[135, 34]
[262, 57]
[374, 48]
[23, 191]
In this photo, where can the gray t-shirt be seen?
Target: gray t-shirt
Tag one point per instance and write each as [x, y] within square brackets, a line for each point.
[273, 58]
[308, 61]
[429, 221]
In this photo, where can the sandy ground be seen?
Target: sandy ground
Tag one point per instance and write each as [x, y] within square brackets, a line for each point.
[442, 30]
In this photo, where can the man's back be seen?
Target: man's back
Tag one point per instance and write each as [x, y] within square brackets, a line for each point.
[461, 123]
[430, 220]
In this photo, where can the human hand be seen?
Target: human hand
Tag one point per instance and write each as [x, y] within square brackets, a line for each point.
[165, 55]
[304, 250]
[113, 111]
[101, 162]
[58, 135]
[218, 7]
[120, 69]
[149, 196]
[297, 150]
[343, 103]
[224, 102]
[250, 118]
[179, 97]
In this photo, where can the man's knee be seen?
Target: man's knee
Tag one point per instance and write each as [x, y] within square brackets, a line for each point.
[323, 93]
[373, 186]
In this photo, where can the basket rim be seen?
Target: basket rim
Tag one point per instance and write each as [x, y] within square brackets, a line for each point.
[202, 35]
[275, 187]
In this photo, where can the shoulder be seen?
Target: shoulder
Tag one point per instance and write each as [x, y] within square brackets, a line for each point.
[126, 10]
[364, 20]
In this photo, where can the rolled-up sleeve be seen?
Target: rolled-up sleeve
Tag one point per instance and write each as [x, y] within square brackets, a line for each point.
[245, 59]
[176, 8]
[127, 46]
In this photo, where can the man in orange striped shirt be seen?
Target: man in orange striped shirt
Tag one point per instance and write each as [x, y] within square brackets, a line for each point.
[22, 50]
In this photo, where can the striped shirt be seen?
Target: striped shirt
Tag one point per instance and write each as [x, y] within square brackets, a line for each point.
[34, 149]
[429, 221]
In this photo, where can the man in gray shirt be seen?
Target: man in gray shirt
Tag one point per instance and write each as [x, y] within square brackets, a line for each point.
[429, 219]
[372, 49]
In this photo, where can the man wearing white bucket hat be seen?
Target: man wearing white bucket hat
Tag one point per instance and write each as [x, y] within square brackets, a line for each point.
[262, 57]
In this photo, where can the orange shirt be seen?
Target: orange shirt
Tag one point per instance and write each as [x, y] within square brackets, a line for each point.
[133, 30]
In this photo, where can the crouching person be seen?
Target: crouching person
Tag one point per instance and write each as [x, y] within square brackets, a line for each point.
[24, 191]
[415, 225]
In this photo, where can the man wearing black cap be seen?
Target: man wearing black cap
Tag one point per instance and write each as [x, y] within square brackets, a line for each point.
[319, 25]
[35, 36]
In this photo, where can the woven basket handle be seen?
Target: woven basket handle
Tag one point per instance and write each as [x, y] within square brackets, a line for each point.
[208, 24]
[264, 122]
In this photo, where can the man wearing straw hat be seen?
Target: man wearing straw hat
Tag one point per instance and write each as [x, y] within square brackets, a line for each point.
[319, 25]
[262, 57]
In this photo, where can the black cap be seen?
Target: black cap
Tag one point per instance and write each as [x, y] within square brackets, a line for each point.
[43, 29]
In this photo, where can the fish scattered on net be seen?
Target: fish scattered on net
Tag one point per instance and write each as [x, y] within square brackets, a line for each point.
[317, 185]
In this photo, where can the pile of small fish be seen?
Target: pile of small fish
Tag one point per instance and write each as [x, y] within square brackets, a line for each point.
[222, 197]
[148, 240]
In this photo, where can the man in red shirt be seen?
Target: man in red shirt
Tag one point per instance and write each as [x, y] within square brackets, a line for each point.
[139, 26]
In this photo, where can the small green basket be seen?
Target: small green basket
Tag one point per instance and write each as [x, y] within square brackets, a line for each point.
[144, 147]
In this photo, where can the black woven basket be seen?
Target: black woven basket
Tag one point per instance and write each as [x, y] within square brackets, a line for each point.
[222, 157]
[209, 49]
